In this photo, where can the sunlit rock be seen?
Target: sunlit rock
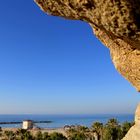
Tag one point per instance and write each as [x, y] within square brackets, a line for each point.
[134, 132]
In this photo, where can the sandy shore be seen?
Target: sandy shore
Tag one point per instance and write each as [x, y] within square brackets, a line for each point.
[58, 130]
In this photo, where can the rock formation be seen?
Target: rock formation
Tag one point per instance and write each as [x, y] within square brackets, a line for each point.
[115, 22]
[134, 132]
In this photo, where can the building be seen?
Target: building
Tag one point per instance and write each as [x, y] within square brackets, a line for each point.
[27, 124]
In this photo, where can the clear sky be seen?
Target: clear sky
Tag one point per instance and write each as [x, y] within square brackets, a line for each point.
[49, 65]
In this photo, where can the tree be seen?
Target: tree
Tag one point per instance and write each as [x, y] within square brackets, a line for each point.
[79, 133]
[39, 136]
[112, 122]
[57, 136]
[125, 128]
[0, 132]
[23, 134]
[97, 128]
[112, 130]
[78, 136]
[9, 135]
[45, 136]
[28, 136]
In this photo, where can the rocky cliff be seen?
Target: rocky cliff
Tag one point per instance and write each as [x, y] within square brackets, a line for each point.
[115, 22]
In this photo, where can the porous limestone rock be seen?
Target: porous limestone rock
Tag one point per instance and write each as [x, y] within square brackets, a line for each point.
[134, 132]
[115, 22]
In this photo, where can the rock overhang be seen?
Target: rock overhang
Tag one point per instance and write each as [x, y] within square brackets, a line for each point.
[115, 22]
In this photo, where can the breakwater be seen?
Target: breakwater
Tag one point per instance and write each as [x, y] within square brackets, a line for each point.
[19, 122]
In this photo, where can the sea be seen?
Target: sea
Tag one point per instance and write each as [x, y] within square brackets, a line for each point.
[59, 121]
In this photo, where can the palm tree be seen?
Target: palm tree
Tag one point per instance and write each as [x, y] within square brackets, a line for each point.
[85, 132]
[22, 134]
[45, 136]
[97, 128]
[112, 130]
[9, 135]
[112, 122]
[125, 127]
[71, 131]
[0, 132]
[39, 136]
[78, 133]
[57, 136]
[28, 136]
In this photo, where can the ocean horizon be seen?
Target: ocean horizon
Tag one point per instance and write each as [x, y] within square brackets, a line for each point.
[59, 121]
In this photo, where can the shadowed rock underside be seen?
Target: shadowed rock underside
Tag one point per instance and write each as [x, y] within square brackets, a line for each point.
[115, 22]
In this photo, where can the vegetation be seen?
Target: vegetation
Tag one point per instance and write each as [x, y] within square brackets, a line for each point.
[97, 128]
[112, 130]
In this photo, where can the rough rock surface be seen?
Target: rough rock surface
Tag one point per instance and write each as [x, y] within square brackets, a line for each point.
[115, 22]
[134, 132]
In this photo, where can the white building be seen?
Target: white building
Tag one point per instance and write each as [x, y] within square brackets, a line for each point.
[27, 124]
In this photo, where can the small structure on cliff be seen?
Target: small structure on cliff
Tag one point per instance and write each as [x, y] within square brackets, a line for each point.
[27, 124]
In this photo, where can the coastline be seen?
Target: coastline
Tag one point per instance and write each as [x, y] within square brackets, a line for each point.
[59, 121]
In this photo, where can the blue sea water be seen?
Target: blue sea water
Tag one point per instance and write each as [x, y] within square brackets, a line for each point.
[62, 120]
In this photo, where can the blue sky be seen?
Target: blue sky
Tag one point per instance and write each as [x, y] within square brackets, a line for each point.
[49, 65]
